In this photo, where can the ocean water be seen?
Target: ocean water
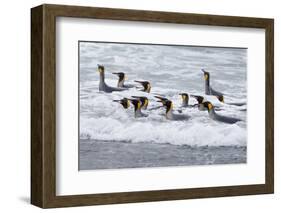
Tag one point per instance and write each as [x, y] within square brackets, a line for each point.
[171, 70]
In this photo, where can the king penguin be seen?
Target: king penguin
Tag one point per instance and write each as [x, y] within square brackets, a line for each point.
[213, 115]
[161, 99]
[146, 86]
[124, 102]
[200, 100]
[121, 80]
[185, 99]
[208, 89]
[221, 99]
[137, 108]
[170, 115]
[144, 101]
[103, 86]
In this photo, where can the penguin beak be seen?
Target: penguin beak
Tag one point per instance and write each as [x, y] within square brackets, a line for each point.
[139, 82]
[162, 102]
[159, 97]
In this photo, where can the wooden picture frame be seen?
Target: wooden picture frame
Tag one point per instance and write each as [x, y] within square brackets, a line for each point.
[43, 105]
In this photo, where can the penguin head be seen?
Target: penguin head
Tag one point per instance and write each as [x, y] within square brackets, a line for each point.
[100, 68]
[208, 105]
[136, 103]
[220, 98]
[146, 85]
[161, 99]
[143, 99]
[169, 105]
[199, 99]
[124, 102]
[121, 75]
[184, 97]
[206, 74]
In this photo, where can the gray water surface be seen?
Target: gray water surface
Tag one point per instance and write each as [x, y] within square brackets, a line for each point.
[116, 155]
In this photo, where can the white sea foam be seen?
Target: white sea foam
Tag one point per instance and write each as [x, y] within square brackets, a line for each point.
[171, 71]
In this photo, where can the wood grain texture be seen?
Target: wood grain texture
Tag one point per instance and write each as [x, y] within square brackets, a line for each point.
[269, 106]
[43, 105]
[36, 106]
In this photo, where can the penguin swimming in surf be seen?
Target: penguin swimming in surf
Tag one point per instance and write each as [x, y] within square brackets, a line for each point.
[124, 102]
[137, 108]
[146, 86]
[144, 101]
[200, 100]
[121, 80]
[213, 115]
[208, 89]
[161, 99]
[170, 115]
[185, 99]
[103, 86]
[221, 99]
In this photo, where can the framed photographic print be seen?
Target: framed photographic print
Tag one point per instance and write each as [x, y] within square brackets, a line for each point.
[136, 106]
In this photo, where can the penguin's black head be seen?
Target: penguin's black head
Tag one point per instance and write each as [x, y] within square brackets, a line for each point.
[124, 102]
[136, 103]
[121, 75]
[146, 85]
[100, 68]
[199, 99]
[208, 105]
[161, 99]
[169, 105]
[143, 99]
[220, 98]
[184, 96]
[206, 74]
